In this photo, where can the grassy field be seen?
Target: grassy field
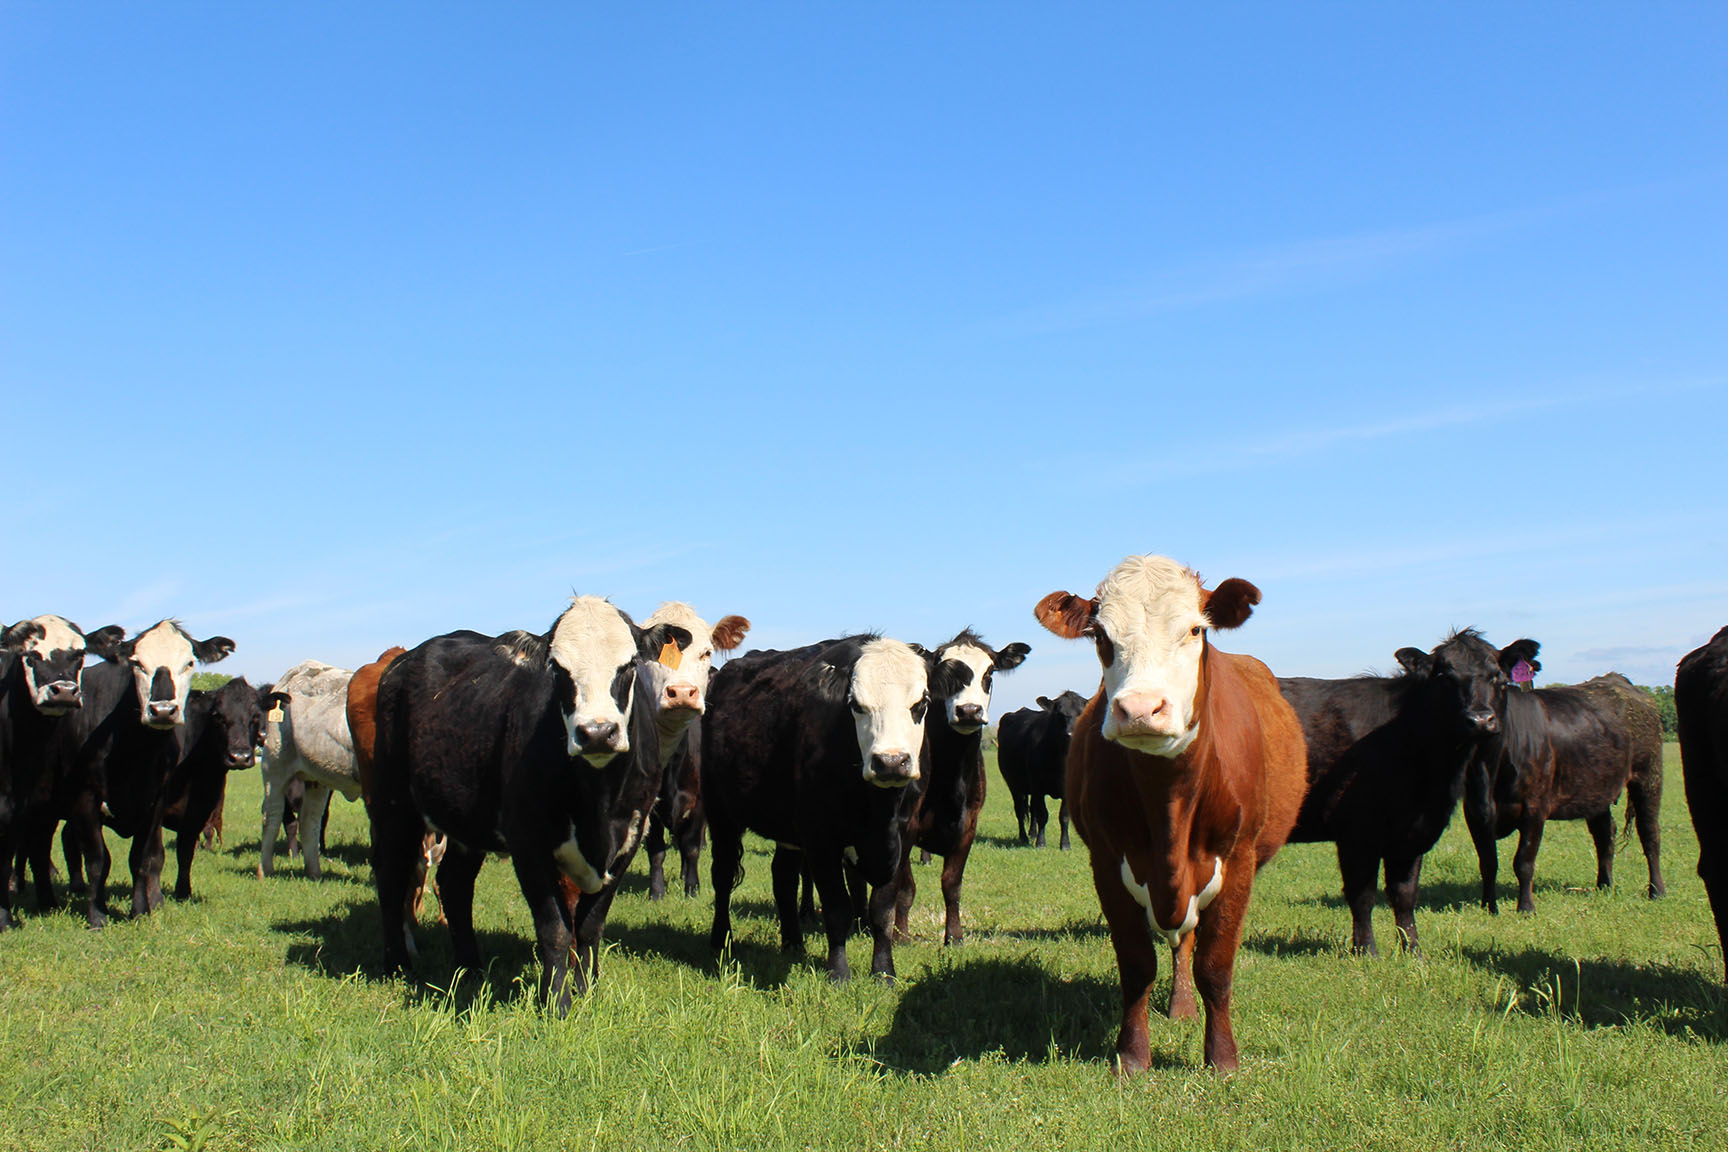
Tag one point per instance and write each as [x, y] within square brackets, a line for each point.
[252, 1018]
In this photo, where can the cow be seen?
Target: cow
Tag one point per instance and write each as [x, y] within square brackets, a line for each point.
[1185, 775]
[307, 739]
[677, 685]
[111, 761]
[223, 729]
[1032, 755]
[816, 748]
[1701, 699]
[531, 745]
[1387, 757]
[946, 819]
[1567, 754]
[41, 682]
[361, 708]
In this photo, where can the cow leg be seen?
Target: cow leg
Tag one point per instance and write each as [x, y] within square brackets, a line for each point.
[857, 893]
[881, 912]
[1182, 1002]
[1062, 818]
[552, 936]
[690, 854]
[654, 844]
[807, 900]
[905, 892]
[787, 870]
[1644, 798]
[1040, 817]
[828, 874]
[1136, 966]
[589, 922]
[1481, 819]
[9, 844]
[185, 847]
[727, 852]
[953, 876]
[312, 814]
[274, 796]
[397, 838]
[1601, 828]
[1358, 866]
[1524, 862]
[146, 860]
[1217, 938]
[96, 863]
[42, 863]
[456, 875]
[923, 855]
[1021, 808]
[1401, 882]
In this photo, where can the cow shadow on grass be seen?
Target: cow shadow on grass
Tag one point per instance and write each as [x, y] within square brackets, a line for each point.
[1436, 896]
[998, 1009]
[1301, 943]
[1599, 992]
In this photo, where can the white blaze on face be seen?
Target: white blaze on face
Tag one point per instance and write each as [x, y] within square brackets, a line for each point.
[162, 655]
[889, 698]
[56, 656]
[1152, 636]
[976, 693]
[684, 688]
[594, 651]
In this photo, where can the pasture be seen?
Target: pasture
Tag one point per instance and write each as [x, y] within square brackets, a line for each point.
[252, 1018]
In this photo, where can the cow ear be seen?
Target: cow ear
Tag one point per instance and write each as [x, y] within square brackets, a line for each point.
[105, 642]
[729, 633]
[652, 641]
[522, 647]
[831, 683]
[1231, 603]
[1414, 661]
[949, 678]
[1012, 656]
[20, 633]
[1066, 614]
[923, 653]
[270, 698]
[1524, 650]
[214, 649]
[1044, 702]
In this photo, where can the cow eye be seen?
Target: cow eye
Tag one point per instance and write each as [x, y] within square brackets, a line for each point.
[919, 709]
[1196, 630]
[857, 708]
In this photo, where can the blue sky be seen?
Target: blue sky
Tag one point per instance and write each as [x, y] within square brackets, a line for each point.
[327, 327]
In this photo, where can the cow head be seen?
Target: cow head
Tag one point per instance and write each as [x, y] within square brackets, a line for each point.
[51, 651]
[1149, 619]
[594, 652]
[887, 686]
[974, 667]
[676, 679]
[1068, 706]
[1467, 678]
[162, 658]
[237, 720]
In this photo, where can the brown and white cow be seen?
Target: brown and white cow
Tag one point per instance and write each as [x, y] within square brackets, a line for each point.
[1185, 775]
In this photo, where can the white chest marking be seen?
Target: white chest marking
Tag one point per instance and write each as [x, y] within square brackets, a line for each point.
[575, 865]
[1142, 897]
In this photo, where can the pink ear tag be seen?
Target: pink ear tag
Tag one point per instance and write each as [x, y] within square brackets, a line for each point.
[671, 655]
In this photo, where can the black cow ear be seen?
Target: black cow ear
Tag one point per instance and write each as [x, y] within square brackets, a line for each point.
[214, 649]
[1012, 656]
[1524, 650]
[1414, 661]
[105, 642]
[19, 634]
[1044, 702]
[1231, 603]
[652, 641]
[831, 683]
[948, 678]
[274, 699]
[923, 652]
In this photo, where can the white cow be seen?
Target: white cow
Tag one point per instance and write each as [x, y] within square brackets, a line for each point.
[311, 741]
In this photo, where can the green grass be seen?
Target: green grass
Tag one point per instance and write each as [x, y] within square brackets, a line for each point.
[252, 1017]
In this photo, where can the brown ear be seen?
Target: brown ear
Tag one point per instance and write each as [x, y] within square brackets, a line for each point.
[1066, 614]
[1231, 603]
[729, 633]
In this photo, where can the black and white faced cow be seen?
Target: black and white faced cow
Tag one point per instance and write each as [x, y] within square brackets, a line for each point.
[677, 685]
[41, 681]
[816, 748]
[536, 746]
[112, 759]
[946, 820]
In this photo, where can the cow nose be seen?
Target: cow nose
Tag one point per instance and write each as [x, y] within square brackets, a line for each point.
[683, 696]
[240, 759]
[892, 769]
[1485, 721]
[1139, 707]
[599, 734]
[63, 694]
[969, 713]
[163, 711]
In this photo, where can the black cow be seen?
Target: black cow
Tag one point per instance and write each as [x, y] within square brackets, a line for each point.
[222, 733]
[535, 746]
[1566, 754]
[112, 760]
[1032, 755]
[1701, 698]
[41, 674]
[946, 819]
[678, 811]
[815, 749]
[1387, 756]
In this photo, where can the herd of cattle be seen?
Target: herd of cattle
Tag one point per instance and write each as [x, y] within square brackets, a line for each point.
[571, 749]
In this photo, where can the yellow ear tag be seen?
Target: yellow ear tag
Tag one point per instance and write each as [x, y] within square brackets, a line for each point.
[672, 655]
[276, 714]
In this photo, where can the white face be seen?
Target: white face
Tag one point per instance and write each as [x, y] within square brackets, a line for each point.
[594, 653]
[684, 688]
[162, 662]
[976, 695]
[1152, 633]
[56, 657]
[889, 698]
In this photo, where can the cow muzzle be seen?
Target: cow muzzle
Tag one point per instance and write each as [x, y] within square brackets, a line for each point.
[968, 718]
[1147, 722]
[60, 697]
[684, 695]
[891, 769]
[1483, 720]
[162, 713]
[597, 742]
